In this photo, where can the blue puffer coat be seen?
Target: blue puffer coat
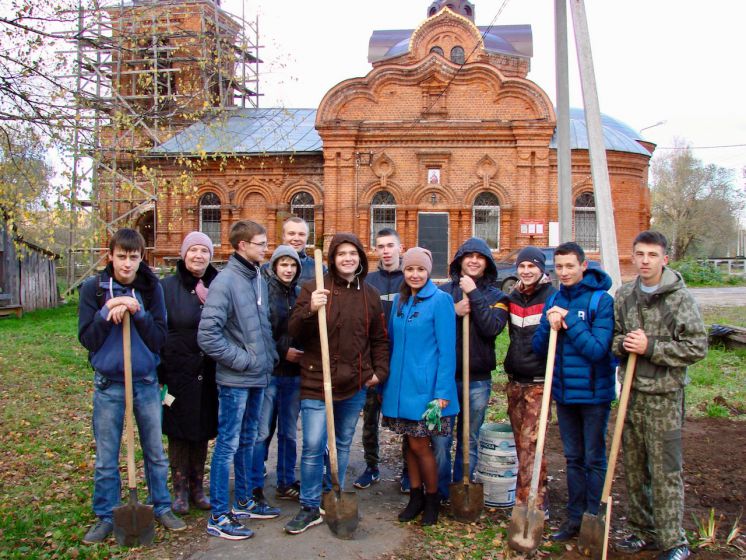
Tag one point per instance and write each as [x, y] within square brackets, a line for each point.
[423, 364]
[584, 364]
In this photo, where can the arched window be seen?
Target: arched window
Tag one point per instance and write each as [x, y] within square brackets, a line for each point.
[437, 49]
[382, 214]
[302, 205]
[486, 219]
[209, 216]
[586, 225]
[457, 55]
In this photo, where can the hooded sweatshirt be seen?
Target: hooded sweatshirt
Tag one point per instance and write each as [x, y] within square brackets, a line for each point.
[281, 302]
[103, 339]
[488, 316]
[584, 365]
[358, 343]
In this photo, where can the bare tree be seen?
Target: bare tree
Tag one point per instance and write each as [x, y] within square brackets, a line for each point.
[697, 206]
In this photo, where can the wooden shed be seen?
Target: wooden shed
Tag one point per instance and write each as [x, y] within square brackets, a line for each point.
[28, 280]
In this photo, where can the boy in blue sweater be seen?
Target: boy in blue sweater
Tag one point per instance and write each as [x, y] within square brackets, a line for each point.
[127, 285]
[583, 385]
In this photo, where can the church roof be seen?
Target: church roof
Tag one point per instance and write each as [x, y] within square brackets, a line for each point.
[618, 136]
[513, 40]
[248, 131]
[291, 131]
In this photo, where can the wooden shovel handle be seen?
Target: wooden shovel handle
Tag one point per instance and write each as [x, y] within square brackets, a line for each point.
[327, 373]
[541, 436]
[129, 429]
[629, 374]
[465, 396]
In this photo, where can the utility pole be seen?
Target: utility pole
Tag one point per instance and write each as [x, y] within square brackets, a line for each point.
[596, 147]
[564, 155]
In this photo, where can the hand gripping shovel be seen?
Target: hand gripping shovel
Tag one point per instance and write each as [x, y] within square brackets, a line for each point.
[527, 521]
[341, 506]
[134, 524]
[467, 498]
[593, 539]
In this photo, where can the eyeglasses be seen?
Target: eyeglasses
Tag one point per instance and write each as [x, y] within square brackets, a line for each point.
[263, 245]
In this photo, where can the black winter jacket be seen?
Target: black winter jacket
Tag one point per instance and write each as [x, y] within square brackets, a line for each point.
[188, 372]
[489, 313]
[281, 301]
[521, 364]
[388, 284]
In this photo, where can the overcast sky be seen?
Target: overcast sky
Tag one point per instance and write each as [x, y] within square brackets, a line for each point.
[678, 61]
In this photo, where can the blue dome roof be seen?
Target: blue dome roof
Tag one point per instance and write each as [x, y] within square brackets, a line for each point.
[618, 136]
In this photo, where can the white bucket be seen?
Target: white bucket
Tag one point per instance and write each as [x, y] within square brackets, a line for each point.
[497, 467]
[498, 491]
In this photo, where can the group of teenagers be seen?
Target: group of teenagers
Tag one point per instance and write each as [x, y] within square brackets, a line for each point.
[240, 355]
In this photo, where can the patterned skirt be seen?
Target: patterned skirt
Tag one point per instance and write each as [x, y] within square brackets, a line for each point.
[418, 428]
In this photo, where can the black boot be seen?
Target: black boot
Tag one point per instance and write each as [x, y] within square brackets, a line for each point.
[180, 503]
[432, 508]
[414, 507]
[197, 489]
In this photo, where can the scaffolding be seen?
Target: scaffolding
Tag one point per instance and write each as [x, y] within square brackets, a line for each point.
[144, 71]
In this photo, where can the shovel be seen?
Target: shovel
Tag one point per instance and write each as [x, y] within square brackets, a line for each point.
[593, 539]
[341, 506]
[134, 524]
[467, 498]
[527, 521]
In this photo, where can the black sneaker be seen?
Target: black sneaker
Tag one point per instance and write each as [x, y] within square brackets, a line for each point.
[306, 518]
[289, 491]
[567, 531]
[632, 544]
[99, 532]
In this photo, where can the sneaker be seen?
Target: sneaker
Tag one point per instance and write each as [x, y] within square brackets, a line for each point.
[98, 532]
[254, 509]
[226, 526]
[265, 471]
[632, 544]
[371, 475]
[404, 486]
[567, 531]
[680, 552]
[288, 491]
[170, 521]
[306, 518]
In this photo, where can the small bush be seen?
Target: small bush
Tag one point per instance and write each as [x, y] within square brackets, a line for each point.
[716, 411]
[697, 273]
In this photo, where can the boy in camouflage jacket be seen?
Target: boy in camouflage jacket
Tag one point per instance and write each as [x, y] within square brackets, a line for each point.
[657, 318]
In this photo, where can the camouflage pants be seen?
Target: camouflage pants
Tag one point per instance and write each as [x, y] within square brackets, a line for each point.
[524, 409]
[653, 466]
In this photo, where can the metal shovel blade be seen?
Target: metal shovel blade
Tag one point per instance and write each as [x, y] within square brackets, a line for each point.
[467, 501]
[593, 531]
[526, 528]
[134, 523]
[341, 512]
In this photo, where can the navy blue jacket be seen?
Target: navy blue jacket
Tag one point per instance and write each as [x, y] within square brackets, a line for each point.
[489, 312]
[584, 364]
[388, 284]
[103, 339]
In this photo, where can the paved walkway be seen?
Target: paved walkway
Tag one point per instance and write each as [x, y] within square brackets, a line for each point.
[720, 297]
[378, 533]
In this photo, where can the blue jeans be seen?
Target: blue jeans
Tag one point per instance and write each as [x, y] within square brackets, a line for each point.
[479, 396]
[108, 424]
[238, 420]
[281, 398]
[583, 432]
[313, 418]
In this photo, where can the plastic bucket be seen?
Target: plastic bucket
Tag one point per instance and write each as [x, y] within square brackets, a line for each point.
[497, 467]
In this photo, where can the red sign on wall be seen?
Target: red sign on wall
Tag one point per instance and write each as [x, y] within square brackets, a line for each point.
[532, 227]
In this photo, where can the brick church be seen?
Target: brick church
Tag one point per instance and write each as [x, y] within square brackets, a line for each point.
[443, 139]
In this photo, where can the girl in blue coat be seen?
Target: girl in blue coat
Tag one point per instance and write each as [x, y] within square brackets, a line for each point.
[422, 328]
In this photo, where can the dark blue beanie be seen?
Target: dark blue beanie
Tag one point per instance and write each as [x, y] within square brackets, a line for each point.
[532, 255]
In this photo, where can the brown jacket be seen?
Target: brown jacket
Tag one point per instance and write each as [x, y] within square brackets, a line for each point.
[358, 343]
